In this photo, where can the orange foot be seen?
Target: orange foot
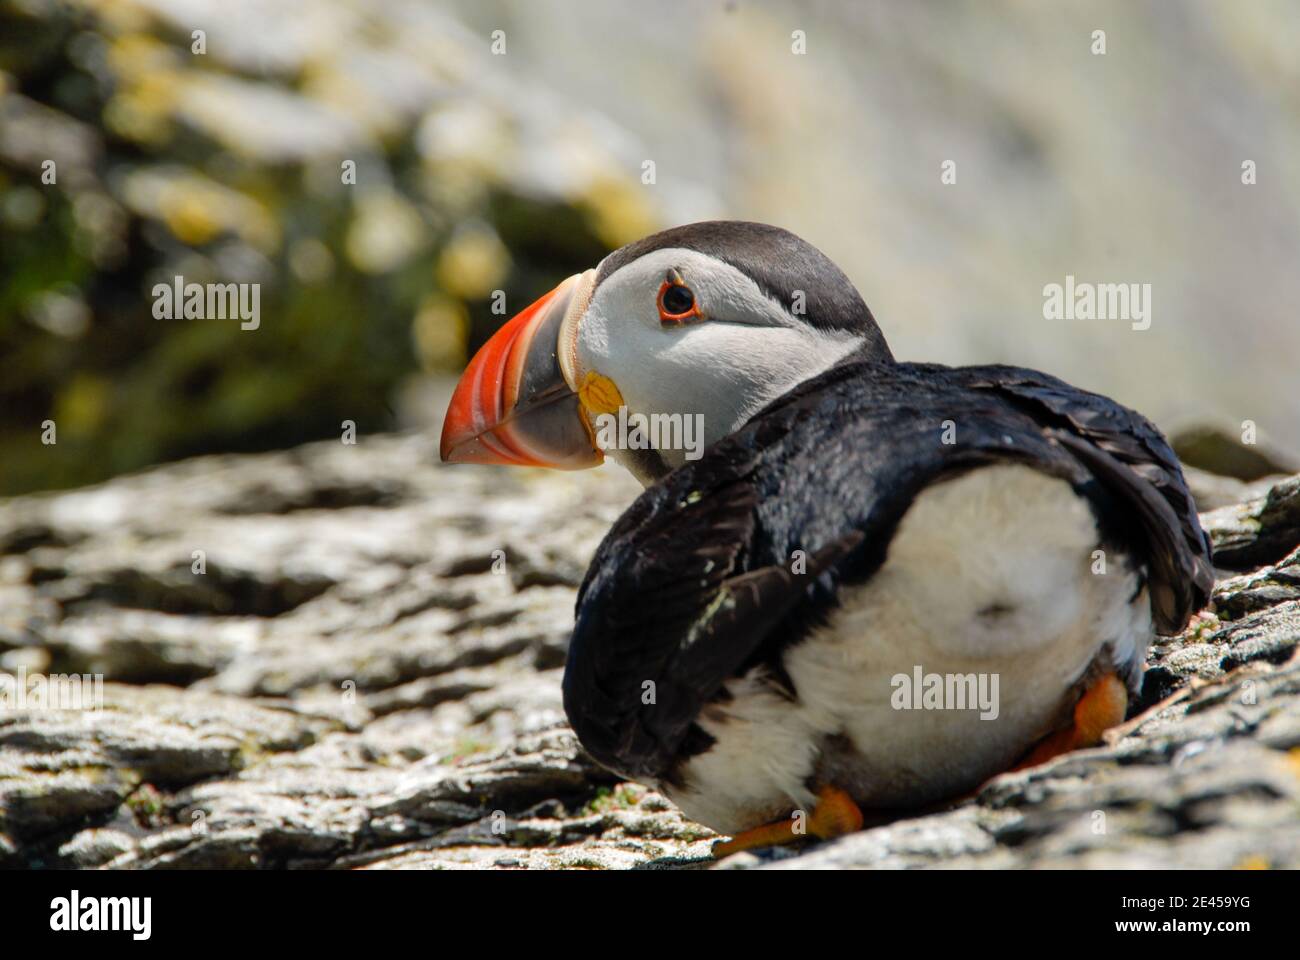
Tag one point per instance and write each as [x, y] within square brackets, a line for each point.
[835, 815]
[1101, 707]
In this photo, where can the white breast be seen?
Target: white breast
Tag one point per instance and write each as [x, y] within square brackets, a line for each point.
[990, 574]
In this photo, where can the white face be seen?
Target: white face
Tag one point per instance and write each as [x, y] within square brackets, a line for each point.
[743, 351]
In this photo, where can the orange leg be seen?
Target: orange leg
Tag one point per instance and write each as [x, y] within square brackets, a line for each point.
[834, 815]
[1101, 707]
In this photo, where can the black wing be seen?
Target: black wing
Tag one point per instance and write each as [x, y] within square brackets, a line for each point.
[1129, 456]
[733, 557]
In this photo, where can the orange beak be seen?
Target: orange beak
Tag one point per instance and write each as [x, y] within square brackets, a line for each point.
[514, 404]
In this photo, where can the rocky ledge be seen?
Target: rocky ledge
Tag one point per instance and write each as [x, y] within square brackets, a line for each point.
[349, 656]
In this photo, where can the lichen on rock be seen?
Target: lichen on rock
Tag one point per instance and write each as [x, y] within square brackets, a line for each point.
[367, 675]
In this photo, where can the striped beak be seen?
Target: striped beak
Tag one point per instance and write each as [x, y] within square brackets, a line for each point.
[515, 403]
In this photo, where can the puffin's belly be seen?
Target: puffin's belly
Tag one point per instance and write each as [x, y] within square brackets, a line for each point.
[988, 580]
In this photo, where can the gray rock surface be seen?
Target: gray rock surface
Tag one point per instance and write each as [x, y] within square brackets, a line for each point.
[366, 672]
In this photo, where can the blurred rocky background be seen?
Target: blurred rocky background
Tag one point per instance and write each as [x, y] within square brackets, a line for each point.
[229, 166]
[488, 161]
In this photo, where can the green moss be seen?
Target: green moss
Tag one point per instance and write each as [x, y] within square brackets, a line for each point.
[625, 796]
[146, 805]
[464, 748]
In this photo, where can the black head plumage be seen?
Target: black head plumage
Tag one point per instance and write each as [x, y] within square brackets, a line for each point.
[782, 265]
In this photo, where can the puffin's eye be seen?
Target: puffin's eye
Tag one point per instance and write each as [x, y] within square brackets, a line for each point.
[676, 303]
[677, 300]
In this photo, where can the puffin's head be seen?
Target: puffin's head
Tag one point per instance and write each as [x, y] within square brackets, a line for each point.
[685, 335]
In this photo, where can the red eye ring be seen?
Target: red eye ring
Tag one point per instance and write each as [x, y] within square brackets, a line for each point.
[682, 313]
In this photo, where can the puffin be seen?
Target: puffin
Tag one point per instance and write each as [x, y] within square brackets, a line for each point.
[853, 586]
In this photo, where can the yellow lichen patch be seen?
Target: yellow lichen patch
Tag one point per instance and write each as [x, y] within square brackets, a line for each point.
[1255, 862]
[136, 55]
[197, 209]
[120, 16]
[191, 219]
[386, 232]
[599, 394]
[440, 331]
[618, 210]
[474, 262]
[148, 81]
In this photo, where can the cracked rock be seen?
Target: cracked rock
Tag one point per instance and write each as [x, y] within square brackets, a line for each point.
[367, 675]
